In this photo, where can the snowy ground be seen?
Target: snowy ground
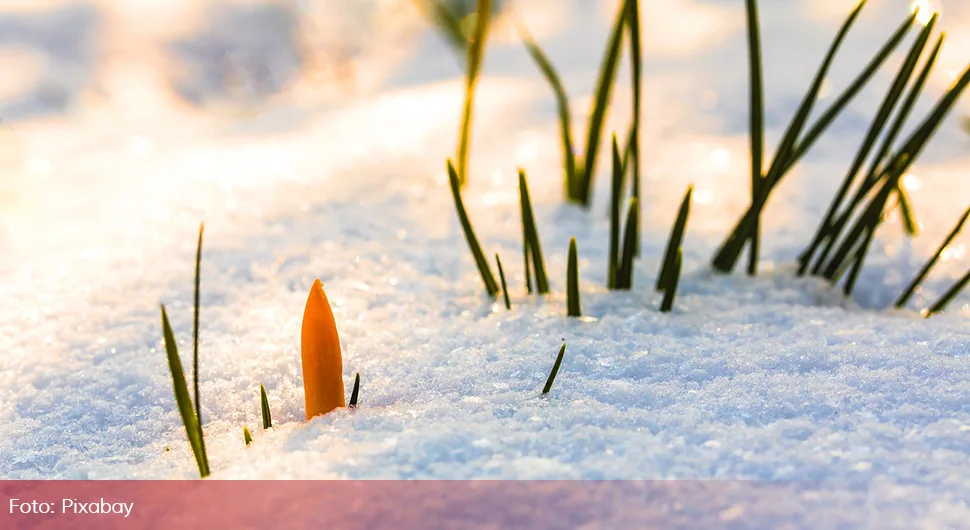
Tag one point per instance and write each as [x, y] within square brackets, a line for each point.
[314, 152]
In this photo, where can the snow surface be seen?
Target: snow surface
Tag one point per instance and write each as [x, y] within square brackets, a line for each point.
[311, 152]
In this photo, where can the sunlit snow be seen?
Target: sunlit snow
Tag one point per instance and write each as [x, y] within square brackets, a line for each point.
[311, 138]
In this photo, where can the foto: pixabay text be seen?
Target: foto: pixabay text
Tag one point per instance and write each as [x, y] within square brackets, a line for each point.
[71, 506]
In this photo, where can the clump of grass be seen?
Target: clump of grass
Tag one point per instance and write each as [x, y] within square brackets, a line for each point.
[356, 392]
[264, 408]
[531, 248]
[555, 370]
[476, 54]
[830, 227]
[573, 308]
[795, 144]
[247, 436]
[878, 164]
[889, 177]
[911, 288]
[579, 170]
[191, 415]
[490, 284]
[674, 243]
[505, 286]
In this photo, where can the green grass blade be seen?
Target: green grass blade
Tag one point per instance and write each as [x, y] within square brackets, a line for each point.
[948, 297]
[636, 62]
[911, 288]
[624, 279]
[526, 240]
[631, 158]
[531, 235]
[193, 430]
[670, 290]
[848, 94]
[572, 281]
[675, 242]
[264, 408]
[615, 198]
[756, 126]
[633, 143]
[247, 436]
[562, 104]
[490, 284]
[505, 286]
[476, 54]
[555, 370]
[627, 158]
[195, 326]
[604, 85]
[872, 175]
[528, 269]
[355, 393]
[910, 225]
[875, 130]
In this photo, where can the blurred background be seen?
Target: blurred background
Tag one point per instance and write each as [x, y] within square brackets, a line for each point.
[236, 56]
[60, 55]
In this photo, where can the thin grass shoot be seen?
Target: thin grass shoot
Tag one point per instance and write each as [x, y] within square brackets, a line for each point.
[555, 370]
[476, 54]
[670, 289]
[486, 273]
[624, 275]
[756, 126]
[573, 305]
[264, 408]
[674, 242]
[530, 237]
[505, 286]
[193, 430]
[355, 393]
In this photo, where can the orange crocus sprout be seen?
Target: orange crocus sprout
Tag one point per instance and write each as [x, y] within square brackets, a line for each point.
[323, 368]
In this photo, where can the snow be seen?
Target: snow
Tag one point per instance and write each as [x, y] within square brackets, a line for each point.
[311, 174]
